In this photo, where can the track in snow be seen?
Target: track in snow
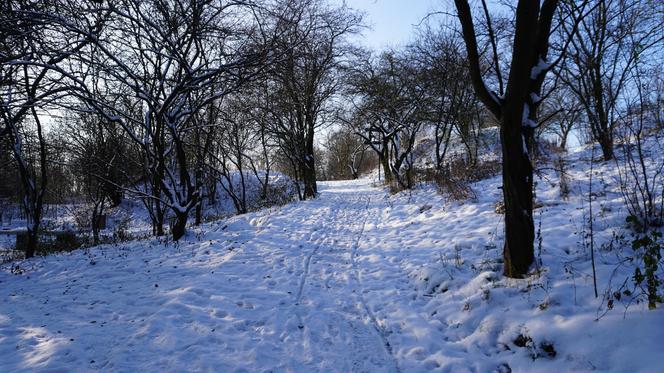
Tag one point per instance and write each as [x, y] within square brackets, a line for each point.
[270, 291]
[334, 290]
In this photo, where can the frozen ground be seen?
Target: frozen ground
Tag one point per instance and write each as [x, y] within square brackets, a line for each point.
[354, 281]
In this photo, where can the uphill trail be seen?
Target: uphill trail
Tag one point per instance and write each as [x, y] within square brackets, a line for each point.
[303, 287]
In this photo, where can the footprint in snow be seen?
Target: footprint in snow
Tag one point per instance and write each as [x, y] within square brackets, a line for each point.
[245, 305]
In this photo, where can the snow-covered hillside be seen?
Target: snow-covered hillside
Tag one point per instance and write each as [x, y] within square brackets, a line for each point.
[131, 218]
[356, 280]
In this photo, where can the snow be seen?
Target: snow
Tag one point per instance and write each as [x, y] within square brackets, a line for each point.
[542, 65]
[535, 98]
[524, 145]
[355, 280]
[525, 118]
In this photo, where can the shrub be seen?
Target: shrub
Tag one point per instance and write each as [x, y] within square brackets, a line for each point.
[559, 164]
[649, 247]
[121, 231]
[455, 178]
[278, 194]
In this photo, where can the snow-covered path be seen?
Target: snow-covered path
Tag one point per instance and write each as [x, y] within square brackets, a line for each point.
[280, 290]
[356, 280]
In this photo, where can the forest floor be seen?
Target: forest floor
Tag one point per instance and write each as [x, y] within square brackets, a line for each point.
[357, 280]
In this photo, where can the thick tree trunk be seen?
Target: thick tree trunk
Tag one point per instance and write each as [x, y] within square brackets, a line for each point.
[33, 242]
[95, 236]
[516, 132]
[158, 222]
[602, 132]
[605, 141]
[518, 251]
[309, 178]
[212, 191]
[199, 213]
[265, 185]
[527, 72]
[95, 228]
[96, 224]
[385, 162]
[386, 170]
[563, 140]
[309, 171]
[179, 226]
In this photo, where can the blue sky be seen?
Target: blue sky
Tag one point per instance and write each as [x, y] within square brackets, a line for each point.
[392, 21]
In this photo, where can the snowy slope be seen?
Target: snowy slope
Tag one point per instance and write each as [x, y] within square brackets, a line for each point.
[356, 280]
[132, 217]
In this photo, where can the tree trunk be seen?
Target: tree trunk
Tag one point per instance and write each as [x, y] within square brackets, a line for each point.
[518, 251]
[158, 222]
[212, 191]
[309, 171]
[309, 178]
[563, 140]
[265, 185]
[385, 162]
[95, 236]
[529, 53]
[606, 143]
[95, 227]
[33, 241]
[179, 227]
[199, 213]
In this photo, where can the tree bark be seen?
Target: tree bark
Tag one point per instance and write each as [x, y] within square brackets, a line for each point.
[606, 143]
[385, 161]
[95, 221]
[309, 178]
[33, 242]
[518, 250]
[309, 169]
[158, 222]
[179, 227]
[199, 213]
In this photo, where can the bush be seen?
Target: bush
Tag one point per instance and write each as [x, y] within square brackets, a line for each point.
[278, 194]
[51, 242]
[559, 164]
[457, 189]
[454, 180]
[121, 230]
[649, 247]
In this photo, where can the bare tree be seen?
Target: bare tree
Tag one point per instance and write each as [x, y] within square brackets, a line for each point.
[561, 113]
[38, 42]
[453, 110]
[235, 140]
[516, 111]
[173, 58]
[101, 163]
[641, 171]
[603, 50]
[302, 85]
[346, 154]
[390, 100]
